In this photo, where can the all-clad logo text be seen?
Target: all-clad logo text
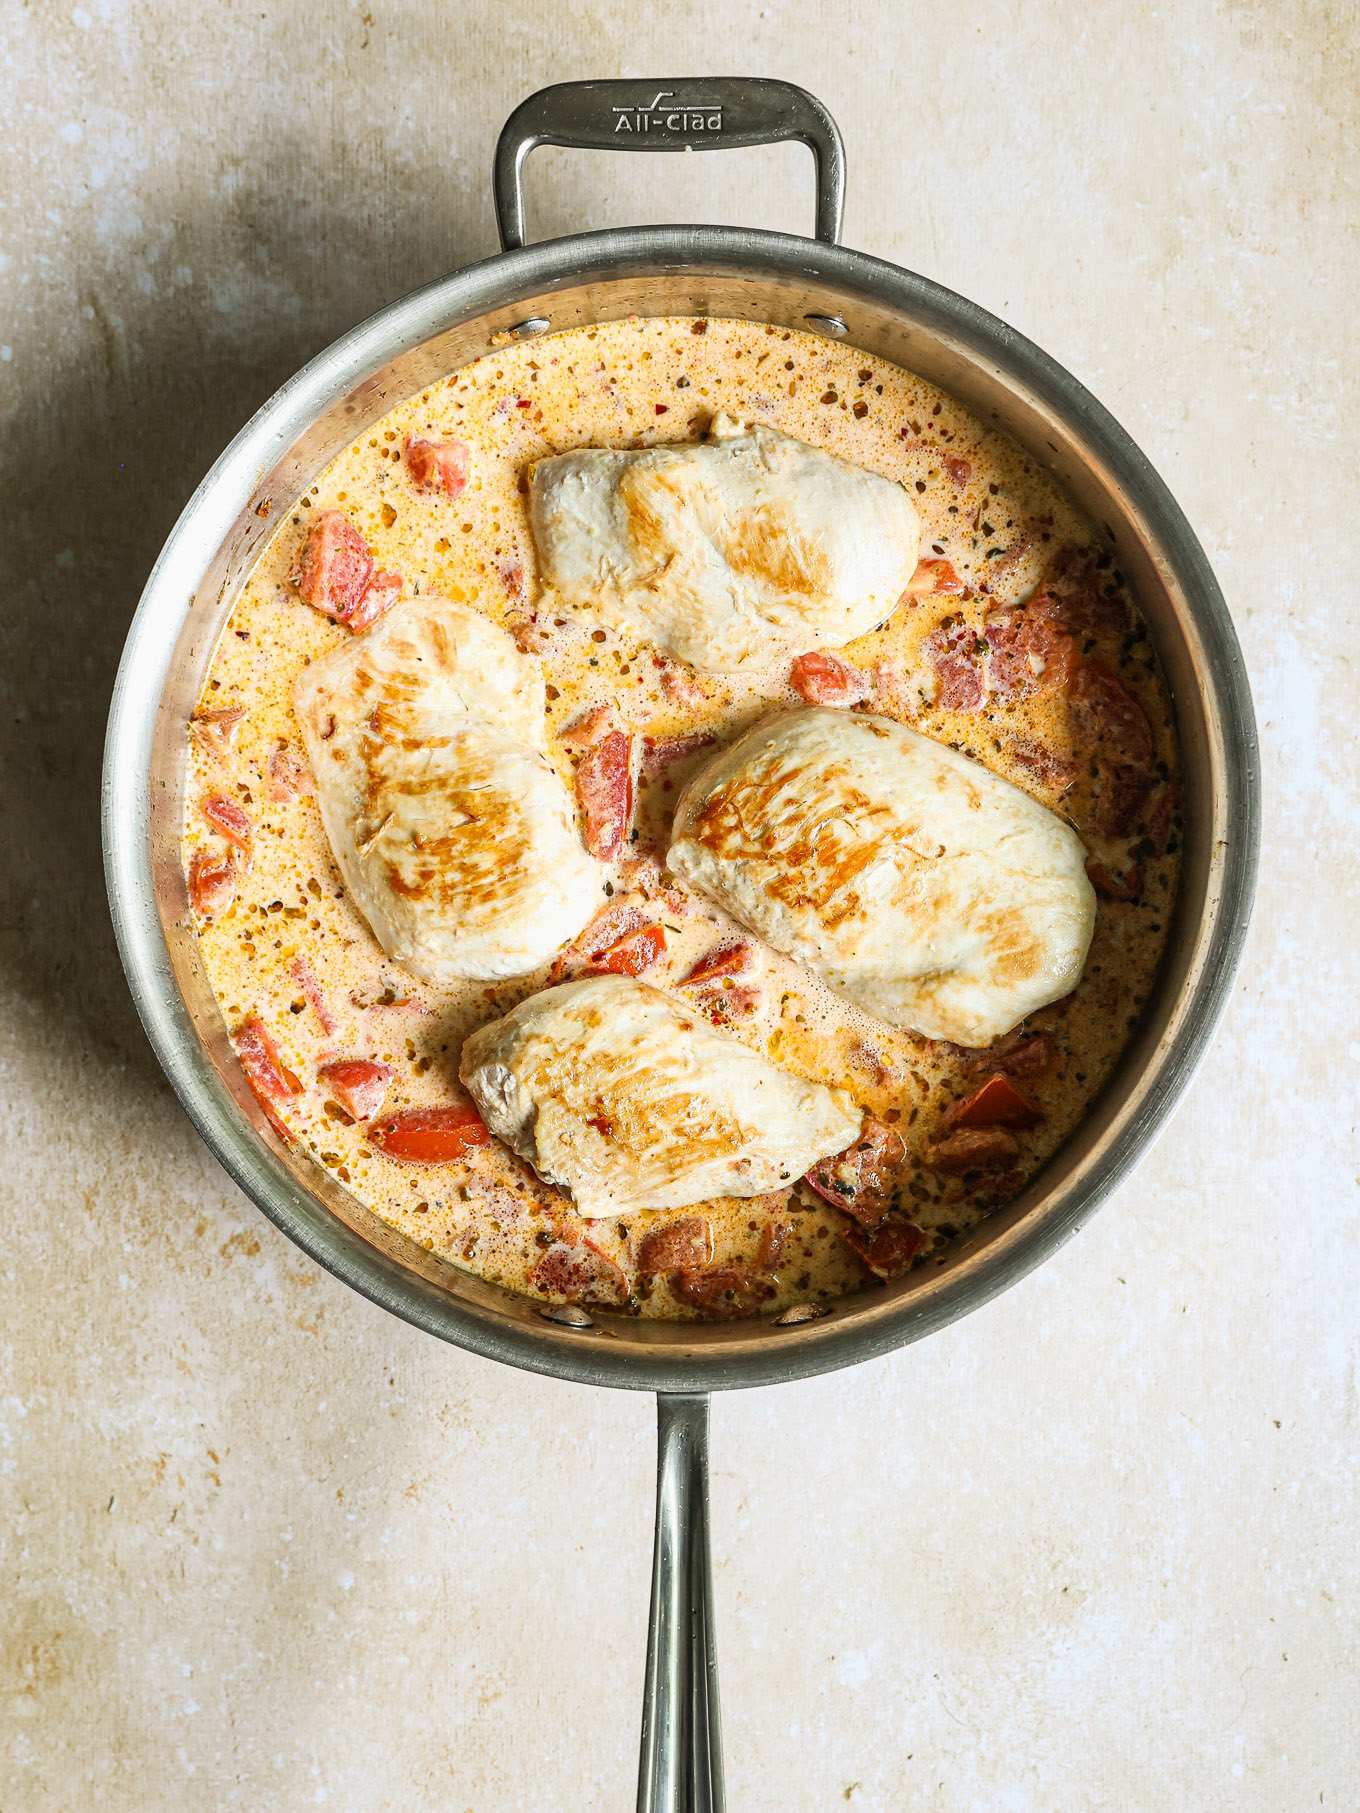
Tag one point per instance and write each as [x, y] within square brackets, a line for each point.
[664, 115]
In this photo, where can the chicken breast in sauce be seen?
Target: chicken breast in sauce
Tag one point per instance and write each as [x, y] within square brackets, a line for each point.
[455, 837]
[1023, 648]
[916, 882]
[730, 554]
[629, 1099]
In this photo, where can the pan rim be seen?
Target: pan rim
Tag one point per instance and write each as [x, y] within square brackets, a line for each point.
[700, 1364]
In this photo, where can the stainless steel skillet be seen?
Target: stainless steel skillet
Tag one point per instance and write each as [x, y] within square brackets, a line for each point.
[681, 270]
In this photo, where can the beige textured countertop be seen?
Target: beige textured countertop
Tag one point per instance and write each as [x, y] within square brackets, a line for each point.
[264, 1547]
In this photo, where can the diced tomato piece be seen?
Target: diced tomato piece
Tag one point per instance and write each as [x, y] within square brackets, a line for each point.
[226, 816]
[512, 578]
[383, 592]
[959, 470]
[824, 679]
[997, 1103]
[1121, 792]
[633, 954]
[1109, 722]
[1107, 718]
[288, 778]
[717, 981]
[508, 1200]
[604, 789]
[217, 729]
[772, 1239]
[679, 683]
[722, 960]
[973, 1149]
[862, 1180]
[1046, 766]
[358, 1084]
[1026, 655]
[610, 925]
[212, 881]
[724, 983]
[1080, 590]
[303, 974]
[437, 465]
[723, 1003]
[431, 1136]
[934, 578]
[335, 567]
[658, 753]
[722, 1292]
[960, 684]
[956, 650]
[998, 1187]
[607, 928]
[581, 1273]
[271, 1079]
[680, 1245]
[587, 727]
[1019, 1055]
[888, 1250]
[1125, 887]
[530, 636]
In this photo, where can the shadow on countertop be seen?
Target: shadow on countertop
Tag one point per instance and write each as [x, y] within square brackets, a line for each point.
[139, 388]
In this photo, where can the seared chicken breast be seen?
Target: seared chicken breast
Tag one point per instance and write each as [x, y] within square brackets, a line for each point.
[918, 884]
[633, 1102]
[455, 837]
[731, 554]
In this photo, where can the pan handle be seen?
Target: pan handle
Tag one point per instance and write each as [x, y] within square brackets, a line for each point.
[707, 114]
[681, 1765]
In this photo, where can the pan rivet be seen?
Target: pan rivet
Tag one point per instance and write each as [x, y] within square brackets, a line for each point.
[567, 1315]
[828, 324]
[526, 330]
[801, 1312]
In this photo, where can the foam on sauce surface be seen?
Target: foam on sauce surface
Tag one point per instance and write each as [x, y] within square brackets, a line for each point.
[984, 507]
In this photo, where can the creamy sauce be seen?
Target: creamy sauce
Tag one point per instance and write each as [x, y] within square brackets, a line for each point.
[629, 384]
